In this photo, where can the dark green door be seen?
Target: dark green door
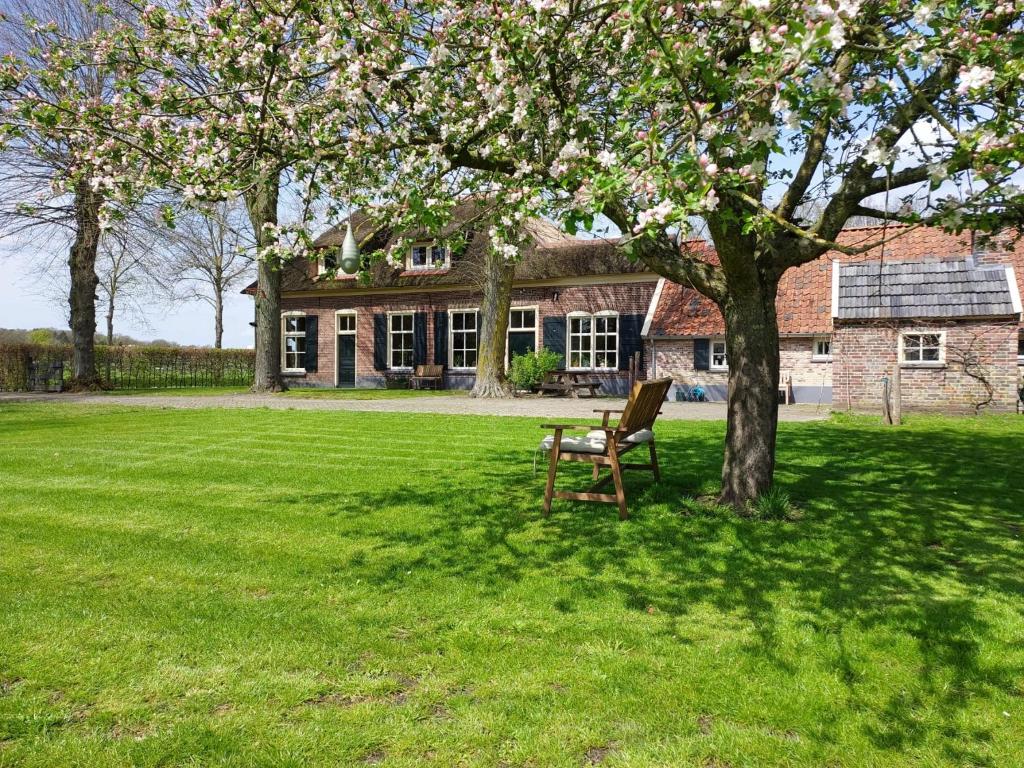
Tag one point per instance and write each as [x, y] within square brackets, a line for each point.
[521, 342]
[347, 361]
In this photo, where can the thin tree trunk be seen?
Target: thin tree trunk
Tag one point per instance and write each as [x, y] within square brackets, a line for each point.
[218, 316]
[752, 343]
[493, 318]
[110, 321]
[82, 295]
[262, 207]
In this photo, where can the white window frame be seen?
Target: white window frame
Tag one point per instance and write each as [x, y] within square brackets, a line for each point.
[536, 325]
[569, 337]
[412, 347]
[922, 363]
[432, 249]
[285, 335]
[817, 357]
[355, 325]
[712, 366]
[451, 336]
[592, 351]
[605, 313]
[1020, 348]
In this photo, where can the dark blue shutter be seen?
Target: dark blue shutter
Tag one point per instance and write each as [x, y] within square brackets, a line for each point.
[440, 338]
[554, 336]
[630, 341]
[380, 342]
[419, 338]
[701, 354]
[310, 362]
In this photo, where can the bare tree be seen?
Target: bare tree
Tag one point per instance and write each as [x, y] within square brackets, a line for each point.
[126, 267]
[209, 252]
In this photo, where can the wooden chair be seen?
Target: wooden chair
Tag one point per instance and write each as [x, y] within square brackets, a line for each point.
[428, 374]
[605, 445]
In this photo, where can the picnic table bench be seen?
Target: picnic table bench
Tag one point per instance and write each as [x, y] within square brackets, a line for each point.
[568, 383]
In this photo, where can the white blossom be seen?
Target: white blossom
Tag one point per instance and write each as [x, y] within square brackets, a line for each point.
[974, 78]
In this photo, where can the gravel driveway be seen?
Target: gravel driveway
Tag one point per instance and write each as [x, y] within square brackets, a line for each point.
[543, 407]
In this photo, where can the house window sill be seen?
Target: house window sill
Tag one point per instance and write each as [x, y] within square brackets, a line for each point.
[293, 372]
[718, 370]
[933, 366]
[822, 359]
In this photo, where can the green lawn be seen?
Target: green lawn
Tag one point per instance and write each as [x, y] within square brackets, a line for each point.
[255, 588]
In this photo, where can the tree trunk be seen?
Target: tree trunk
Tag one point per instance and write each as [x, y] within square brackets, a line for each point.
[110, 321]
[262, 207]
[752, 344]
[82, 295]
[493, 319]
[218, 316]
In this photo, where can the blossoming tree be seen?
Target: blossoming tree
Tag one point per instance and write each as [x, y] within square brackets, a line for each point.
[770, 123]
[218, 101]
[51, 174]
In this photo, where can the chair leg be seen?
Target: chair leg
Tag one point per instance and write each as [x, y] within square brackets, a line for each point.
[620, 493]
[597, 471]
[549, 490]
[654, 462]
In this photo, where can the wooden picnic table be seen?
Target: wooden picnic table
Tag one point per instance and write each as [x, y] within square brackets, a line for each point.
[567, 383]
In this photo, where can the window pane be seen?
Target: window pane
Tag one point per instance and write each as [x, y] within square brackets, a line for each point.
[930, 340]
[930, 354]
[295, 324]
[419, 256]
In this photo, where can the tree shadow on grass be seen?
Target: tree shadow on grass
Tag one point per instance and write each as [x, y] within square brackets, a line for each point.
[902, 530]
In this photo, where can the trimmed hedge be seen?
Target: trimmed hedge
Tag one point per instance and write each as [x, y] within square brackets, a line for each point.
[133, 367]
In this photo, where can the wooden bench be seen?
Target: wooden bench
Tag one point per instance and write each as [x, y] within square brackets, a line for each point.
[424, 375]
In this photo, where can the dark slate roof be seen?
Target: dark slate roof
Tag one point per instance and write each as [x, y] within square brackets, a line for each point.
[873, 290]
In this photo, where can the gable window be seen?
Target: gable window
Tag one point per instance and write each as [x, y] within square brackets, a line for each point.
[822, 349]
[594, 341]
[719, 356]
[293, 343]
[329, 261]
[400, 341]
[429, 256]
[463, 338]
[922, 348]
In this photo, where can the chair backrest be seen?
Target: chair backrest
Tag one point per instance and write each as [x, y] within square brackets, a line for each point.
[644, 403]
[429, 371]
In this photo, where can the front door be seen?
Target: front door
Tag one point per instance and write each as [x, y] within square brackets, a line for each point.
[346, 360]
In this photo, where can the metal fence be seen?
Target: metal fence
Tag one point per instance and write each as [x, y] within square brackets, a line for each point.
[27, 367]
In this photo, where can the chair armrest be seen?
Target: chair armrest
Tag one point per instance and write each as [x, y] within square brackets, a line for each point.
[608, 410]
[566, 426]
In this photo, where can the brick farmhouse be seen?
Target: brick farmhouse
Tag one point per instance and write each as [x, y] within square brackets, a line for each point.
[583, 299]
[947, 310]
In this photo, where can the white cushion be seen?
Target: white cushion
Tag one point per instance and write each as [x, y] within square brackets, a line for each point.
[640, 436]
[587, 444]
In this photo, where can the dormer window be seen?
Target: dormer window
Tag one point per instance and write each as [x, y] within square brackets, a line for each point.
[429, 256]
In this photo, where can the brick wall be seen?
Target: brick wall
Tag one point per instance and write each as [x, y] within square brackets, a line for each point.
[625, 298]
[864, 353]
[811, 379]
